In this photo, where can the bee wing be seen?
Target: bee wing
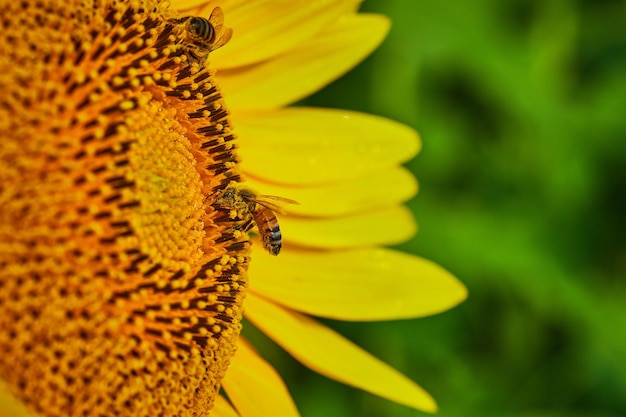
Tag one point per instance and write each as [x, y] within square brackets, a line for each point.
[222, 34]
[274, 202]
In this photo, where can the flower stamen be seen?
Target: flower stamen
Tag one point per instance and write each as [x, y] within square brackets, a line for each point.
[114, 293]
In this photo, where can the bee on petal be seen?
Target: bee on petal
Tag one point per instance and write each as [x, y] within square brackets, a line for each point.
[203, 35]
[262, 208]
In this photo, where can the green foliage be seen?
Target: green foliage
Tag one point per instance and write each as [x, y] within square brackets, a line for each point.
[522, 109]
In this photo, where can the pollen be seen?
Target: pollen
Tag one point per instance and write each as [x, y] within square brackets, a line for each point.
[121, 277]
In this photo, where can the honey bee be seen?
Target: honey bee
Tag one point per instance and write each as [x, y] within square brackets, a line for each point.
[205, 35]
[262, 208]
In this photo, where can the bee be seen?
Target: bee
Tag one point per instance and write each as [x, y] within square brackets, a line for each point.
[204, 35]
[262, 208]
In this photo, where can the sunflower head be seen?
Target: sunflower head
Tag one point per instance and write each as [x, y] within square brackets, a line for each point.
[122, 276]
[124, 251]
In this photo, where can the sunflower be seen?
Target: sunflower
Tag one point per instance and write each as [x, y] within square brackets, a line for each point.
[127, 202]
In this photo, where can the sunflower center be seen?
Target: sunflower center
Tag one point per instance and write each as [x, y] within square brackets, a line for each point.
[121, 277]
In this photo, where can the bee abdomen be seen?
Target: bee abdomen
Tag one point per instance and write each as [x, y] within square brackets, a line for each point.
[273, 241]
[202, 28]
[269, 229]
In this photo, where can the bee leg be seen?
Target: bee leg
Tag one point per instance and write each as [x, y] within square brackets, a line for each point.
[248, 225]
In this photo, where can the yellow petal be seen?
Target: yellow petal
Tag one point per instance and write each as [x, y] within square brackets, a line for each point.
[9, 405]
[263, 29]
[306, 68]
[386, 226]
[254, 387]
[196, 5]
[302, 146]
[390, 187]
[222, 408]
[330, 354]
[358, 285]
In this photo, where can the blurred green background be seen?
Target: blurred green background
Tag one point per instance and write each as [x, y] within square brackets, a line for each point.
[521, 106]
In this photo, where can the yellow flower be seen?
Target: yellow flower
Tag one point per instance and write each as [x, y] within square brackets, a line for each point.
[124, 266]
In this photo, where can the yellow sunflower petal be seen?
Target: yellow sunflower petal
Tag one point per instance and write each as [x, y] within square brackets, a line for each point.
[304, 70]
[185, 5]
[390, 187]
[386, 226]
[303, 146]
[357, 285]
[255, 388]
[9, 405]
[263, 29]
[222, 408]
[328, 353]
